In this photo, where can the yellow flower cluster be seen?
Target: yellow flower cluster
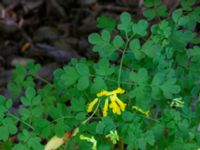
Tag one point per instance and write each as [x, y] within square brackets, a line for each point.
[111, 96]
[146, 113]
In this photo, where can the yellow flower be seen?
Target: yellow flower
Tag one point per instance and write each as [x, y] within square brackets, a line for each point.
[108, 93]
[102, 93]
[115, 103]
[91, 105]
[146, 113]
[114, 106]
[120, 103]
[105, 108]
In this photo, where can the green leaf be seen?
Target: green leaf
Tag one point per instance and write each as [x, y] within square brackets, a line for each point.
[187, 4]
[194, 53]
[105, 126]
[102, 43]
[82, 69]
[8, 127]
[177, 15]
[169, 88]
[25, 113]
[156, 82]
[83, 83]
[141, 93]
[149, 13]
[107, 23]
[140, 28]
[4, 106]
[30, 98]
[151, 3]
[78, 105]
[81, 116]
[98, 85]
[141, 89]
[105, 35]
[60, 128]
[127, 116]
[151, 49]
[140, 77]
[103, 68]
[94, 38]
[135, 48]
[10, 124]
[30, 140]
[180, 39]
[19, 147]
[43, 127]
[21, 78]
[70, 76]
[161, 11]
[37, 111]
[125, 22]
[4, 133]
[149, 137]
[118, 42]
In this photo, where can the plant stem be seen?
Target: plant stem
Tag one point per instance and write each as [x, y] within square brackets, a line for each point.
[122, 59]
[40, 78]
[90, 117]
[27, 124]
[121, 145]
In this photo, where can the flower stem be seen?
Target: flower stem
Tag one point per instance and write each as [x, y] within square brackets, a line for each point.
[122, 59]
[90, 117]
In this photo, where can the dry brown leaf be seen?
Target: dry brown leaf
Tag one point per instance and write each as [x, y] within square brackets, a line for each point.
[54, 143]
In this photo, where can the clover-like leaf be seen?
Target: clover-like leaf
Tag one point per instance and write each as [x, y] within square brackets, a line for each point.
[169, 88]
[141, 88]
[103, 67]
[118, 42]
[7, 127]
[156, 82]
[98, 84]
[140, 28]
[125, 22]
[30, 98]
[177, 15]
[69, 76]
[187, 4]
[83, 83]
[151, 49]
[107, 23]
[102, 43]
[105, 126]
[82, 69]
[152, 12]
[136, 49]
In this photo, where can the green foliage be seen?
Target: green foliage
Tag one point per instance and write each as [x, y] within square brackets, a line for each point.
[107, 23]
[154, 9]
[155, 62]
